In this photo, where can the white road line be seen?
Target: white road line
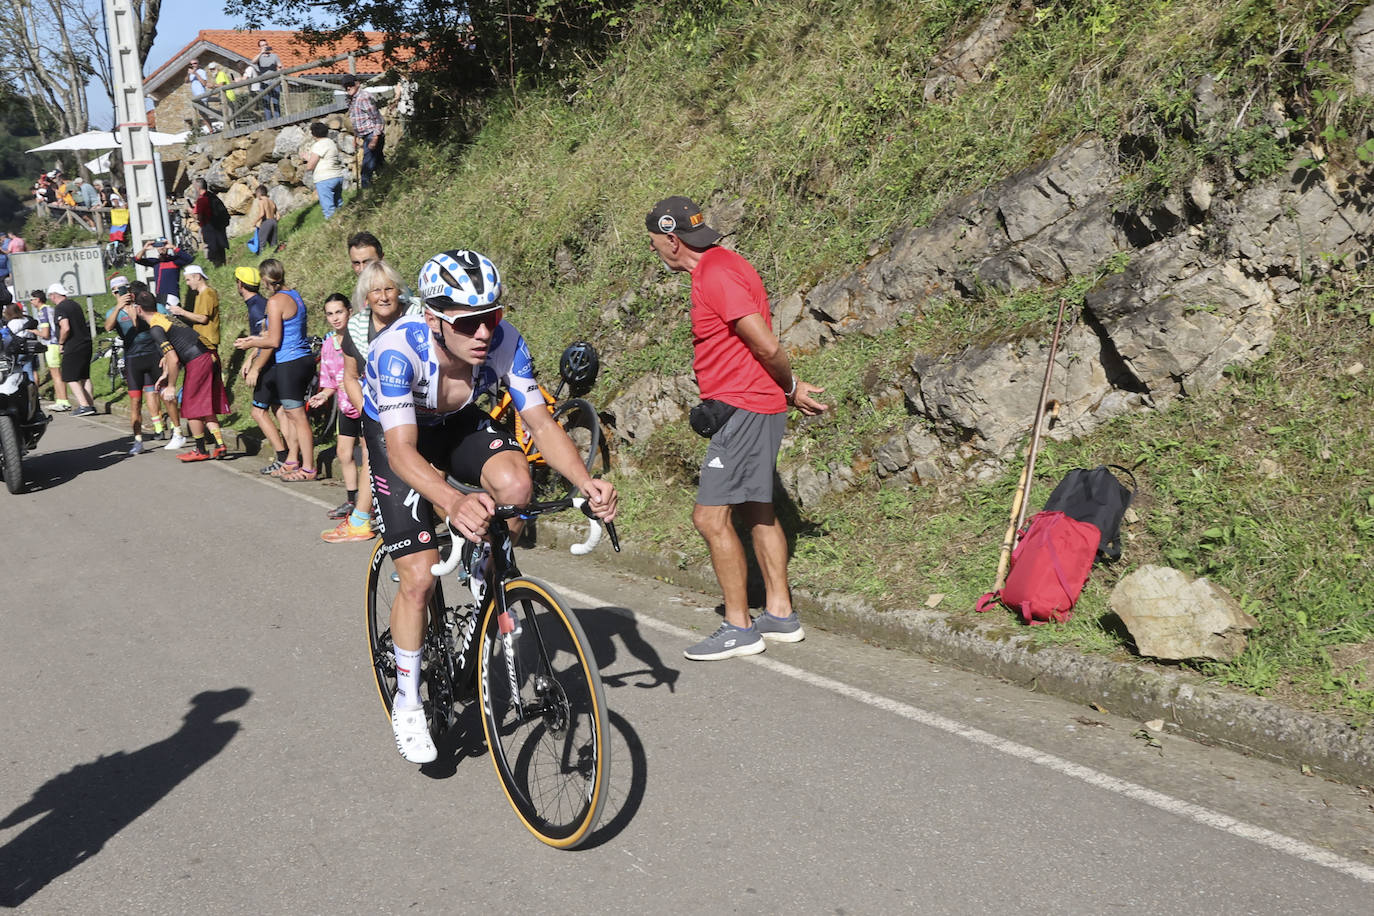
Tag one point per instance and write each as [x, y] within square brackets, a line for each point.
[1205, 816]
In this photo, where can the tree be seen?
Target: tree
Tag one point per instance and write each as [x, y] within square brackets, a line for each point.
[466, 47]
[50, 50]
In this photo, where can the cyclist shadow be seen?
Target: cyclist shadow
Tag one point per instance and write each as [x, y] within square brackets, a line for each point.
[605, 626]
[45, 470]
[89, 804]
[627, 783]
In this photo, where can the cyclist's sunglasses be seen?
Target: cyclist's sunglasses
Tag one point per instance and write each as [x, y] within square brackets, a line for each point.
[467, 325]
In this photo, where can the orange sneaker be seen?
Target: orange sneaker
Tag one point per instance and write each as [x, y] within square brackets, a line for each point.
[344, 532]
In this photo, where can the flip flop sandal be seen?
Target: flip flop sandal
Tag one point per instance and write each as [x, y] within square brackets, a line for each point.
[287, 467]
[300, 474]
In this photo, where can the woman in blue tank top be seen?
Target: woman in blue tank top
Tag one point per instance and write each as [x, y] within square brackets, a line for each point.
[295, 366]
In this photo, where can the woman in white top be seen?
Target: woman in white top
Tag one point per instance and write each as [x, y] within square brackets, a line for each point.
[327, 166]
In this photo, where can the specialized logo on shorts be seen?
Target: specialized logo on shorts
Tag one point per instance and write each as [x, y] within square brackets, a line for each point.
[413, 501]
[393, 374]
[424, 537]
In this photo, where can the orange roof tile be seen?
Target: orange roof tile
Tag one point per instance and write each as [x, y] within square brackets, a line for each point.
[243, 45]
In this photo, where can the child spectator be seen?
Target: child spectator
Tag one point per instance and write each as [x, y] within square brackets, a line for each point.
[337, 312]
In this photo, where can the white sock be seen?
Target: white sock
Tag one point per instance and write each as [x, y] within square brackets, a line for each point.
[407, 679]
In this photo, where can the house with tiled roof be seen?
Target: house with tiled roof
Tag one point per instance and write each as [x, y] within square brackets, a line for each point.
[233, 49]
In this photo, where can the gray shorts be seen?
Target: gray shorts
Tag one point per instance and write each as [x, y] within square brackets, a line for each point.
[742, 460]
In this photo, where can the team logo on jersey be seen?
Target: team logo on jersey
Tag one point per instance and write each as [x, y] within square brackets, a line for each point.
[393, 374]
[417, 335]
[495, 445]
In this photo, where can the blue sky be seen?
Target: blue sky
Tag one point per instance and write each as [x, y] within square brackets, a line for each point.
[176, 27]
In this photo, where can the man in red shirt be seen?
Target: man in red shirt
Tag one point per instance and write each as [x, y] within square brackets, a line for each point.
[746, 381]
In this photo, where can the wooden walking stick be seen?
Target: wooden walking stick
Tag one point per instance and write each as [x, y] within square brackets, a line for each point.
[1018, 504]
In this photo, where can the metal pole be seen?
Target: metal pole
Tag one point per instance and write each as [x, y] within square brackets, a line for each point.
[144, 194]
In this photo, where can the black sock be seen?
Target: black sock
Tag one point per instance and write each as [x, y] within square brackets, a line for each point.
[281, 455]
[200, 445]
[353, 496]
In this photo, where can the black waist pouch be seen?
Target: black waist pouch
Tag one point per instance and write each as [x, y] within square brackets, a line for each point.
[709, 416]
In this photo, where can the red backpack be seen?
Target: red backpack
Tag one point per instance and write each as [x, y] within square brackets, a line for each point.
[1049, 568]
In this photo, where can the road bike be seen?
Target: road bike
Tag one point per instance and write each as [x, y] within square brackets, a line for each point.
[112, 351]
[524, 656]
[577, 370]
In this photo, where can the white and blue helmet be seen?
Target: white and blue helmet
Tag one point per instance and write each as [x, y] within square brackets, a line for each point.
[461, 278]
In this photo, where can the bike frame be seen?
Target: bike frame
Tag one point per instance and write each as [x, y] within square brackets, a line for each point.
[505, 570]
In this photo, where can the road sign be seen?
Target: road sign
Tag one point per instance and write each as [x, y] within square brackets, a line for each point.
[80, 270]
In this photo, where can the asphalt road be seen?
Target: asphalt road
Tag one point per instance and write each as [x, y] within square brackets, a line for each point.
[191, 725]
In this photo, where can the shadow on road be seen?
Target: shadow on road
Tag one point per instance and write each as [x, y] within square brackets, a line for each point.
[629, 777]
[89, 804]
[45, 470]
[605, 626]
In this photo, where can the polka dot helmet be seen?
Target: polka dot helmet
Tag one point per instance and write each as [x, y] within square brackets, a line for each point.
[461, 278]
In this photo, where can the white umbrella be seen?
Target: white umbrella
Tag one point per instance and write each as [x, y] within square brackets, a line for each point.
[99, 165]
[103, 139]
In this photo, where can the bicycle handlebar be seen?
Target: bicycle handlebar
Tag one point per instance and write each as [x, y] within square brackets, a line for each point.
[448, 564]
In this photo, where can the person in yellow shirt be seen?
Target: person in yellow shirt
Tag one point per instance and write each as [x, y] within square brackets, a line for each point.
[204, 319]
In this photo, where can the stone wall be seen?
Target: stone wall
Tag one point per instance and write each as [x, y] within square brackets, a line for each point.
[1205, 274]
[234, 167]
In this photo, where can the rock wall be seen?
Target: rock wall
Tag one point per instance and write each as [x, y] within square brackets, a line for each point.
[234, 167]
[1205, 274]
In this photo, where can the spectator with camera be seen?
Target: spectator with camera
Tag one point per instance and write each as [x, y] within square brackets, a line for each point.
[167, 261]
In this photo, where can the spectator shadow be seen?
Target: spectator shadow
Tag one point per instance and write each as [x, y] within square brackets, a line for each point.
[45, 470]
[89, 804]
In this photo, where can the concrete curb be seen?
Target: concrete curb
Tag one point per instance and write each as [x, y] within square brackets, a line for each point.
[1188, 705]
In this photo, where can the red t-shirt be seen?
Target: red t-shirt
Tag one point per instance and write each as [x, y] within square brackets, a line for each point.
[725, 288]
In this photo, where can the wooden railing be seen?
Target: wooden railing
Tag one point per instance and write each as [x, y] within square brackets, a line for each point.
[95, 219]
[284, 96]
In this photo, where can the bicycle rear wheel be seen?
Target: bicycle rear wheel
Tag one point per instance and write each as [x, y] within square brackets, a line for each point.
[442, 687]
[382, 585]
[544, 715]
[579, 420]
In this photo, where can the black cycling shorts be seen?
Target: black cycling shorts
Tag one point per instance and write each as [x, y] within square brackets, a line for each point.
[265, 394]
[142, 372]
[293, 378]
[459, 446]
[350, 426]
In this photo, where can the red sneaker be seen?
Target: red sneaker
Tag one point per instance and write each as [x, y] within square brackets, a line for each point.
[219, 451]
[194, 456]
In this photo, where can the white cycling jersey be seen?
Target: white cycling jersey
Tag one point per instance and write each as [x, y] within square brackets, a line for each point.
[402, 374]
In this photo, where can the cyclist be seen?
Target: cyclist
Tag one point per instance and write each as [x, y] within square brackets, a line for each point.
[424, 375]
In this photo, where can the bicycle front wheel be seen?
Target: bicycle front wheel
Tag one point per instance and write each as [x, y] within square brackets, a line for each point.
[579, 420]
[544, 715]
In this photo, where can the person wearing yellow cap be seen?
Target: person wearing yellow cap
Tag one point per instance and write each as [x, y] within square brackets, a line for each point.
[249, 282]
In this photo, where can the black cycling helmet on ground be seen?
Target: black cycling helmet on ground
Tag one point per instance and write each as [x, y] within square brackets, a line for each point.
[579, 366]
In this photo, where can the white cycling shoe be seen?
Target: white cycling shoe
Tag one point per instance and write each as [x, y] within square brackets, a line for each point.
[412, 735]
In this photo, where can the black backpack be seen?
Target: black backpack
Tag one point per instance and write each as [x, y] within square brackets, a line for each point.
[219, 213]
[1096, 497]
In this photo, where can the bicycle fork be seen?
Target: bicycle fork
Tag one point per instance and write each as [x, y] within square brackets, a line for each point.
[505, 625]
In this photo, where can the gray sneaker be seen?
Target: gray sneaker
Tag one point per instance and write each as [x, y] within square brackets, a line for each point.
[137, 448]
[726, 642]
[782, 629]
